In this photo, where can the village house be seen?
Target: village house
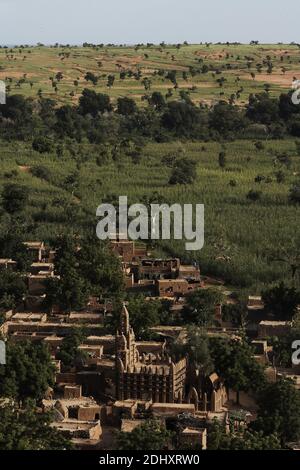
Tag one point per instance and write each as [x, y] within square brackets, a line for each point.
[267, 328]
[176, 287]
[36, 250]
[7, 263]
[77, 416]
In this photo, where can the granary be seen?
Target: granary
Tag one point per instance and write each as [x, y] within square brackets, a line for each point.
[153, 377]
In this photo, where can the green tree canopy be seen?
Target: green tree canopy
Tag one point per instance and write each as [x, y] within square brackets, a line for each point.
[196, 346]
[12, 289]
[143, 314]
[234, 362]
[12, 246]
[279, 410]
[68, 351]
[28, 372]
[28, 429]
[244, 439]
[281, 301]
[14, 197]
[200, 307]
[151, 435]
[184, 171]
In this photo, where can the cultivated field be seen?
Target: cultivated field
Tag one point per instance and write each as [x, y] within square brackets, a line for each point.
[239, 233]
[208, 72]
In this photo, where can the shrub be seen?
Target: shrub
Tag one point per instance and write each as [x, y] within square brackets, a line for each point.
[42, 144]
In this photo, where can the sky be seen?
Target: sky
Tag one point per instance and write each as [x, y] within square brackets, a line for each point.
[141, 21]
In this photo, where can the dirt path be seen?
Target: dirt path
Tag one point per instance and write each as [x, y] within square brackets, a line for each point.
[24, 168]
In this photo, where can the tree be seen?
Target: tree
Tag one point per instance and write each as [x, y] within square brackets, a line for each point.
[226, 118]
[234, 362]
[59, 76]
[28, 372]
[110, 80]
[294, 195]
[253, 195]
[68, 351]
[262, 108]
[100, 268]
[184, 119]
[289, 256]
[151, 435]
[14, 198]
[84, 269]
[126, 106]
[17, 108]
[222, 159]
[184, 172]
[196, 347]
[12, 246]
[90, 77]
[143, 314]
[200, 307]
[12, 289]
[281, 301]
[70, 292]
[157, 100]
[235, 313]
[279, 410]
[93, 103]
[243, 439]
[42, 144]
[28, 429]
[42, 172]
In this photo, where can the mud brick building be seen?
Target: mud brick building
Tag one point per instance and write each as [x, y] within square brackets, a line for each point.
[8, 264]
[176, 287]
[127, 250]
[158, 268]
[36, 250]
[149, 377]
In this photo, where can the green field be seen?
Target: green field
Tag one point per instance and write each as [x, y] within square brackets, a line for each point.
[239, 233]
[27, 70]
